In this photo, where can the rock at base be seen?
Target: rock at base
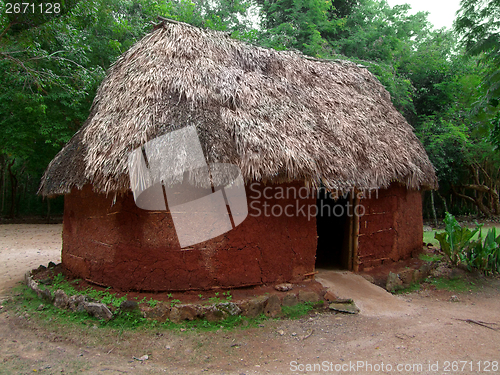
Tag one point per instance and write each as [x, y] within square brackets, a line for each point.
[160, 313]
[285, 287]
[61, 299]
[308, 296]
[347, 308]
[393, 282]
[230, 308]
[129, 306]
[290, 300]
[273, 306]
[98, 310]
[213, 314]
[330, 296]
[76, 303]
[179, 313]
[254, 307]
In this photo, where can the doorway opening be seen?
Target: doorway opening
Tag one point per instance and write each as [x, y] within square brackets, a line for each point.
[334, 228]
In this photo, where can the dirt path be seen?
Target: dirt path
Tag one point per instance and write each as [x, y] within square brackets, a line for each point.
[425, 333]
[369, 298]
[24, 247]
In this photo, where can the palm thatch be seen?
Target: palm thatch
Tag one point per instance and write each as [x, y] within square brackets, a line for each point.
[279, 116]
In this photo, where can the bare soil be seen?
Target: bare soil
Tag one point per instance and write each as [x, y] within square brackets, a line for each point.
[435, 329]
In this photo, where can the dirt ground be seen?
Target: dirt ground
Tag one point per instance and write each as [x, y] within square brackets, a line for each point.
[430, 336]
[24, 247]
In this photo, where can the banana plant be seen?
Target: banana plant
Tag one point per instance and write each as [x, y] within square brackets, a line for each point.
[456, 240]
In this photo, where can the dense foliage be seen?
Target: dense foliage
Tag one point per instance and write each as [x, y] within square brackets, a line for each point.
[463, 247]
[445, 82]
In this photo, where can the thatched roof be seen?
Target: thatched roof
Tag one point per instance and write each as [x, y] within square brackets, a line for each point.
[279, 116]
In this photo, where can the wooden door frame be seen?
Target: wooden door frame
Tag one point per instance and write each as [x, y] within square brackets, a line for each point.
[353, 259]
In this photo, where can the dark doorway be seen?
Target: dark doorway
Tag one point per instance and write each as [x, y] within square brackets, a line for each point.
[333, 228]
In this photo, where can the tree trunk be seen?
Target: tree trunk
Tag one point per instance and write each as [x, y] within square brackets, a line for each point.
[434, 209]
[444, 201]
[477, 200]
[13, 190]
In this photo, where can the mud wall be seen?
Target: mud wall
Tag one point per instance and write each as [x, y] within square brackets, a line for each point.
[392, 227]
[119, 245]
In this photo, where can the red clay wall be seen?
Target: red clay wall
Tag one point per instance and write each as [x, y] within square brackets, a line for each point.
[122, 246]
[392, 227]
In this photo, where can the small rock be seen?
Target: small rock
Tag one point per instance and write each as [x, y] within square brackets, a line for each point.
[45, 281]
[344, 300]
[229, 307]
[290, 300]
[76, 303]
[61, 299]
[281, 332]
[46, 295]
[406, 276]
[160, 313]
[98, 310]
[273, 306]
[442, 270]
[454, 298]
[393, 282]
[427, 228]
[179, 313]
[168, 347]
[213, 314]
[145, 357]
[253, 307]
[308, 296]
[294, 333]
[285, 287]
[129, 306]
[330, 296]
[348, 308]
[40, 307]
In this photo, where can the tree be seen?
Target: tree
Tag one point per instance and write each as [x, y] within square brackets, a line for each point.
[53, 63]
[304, 25]
[478, 23]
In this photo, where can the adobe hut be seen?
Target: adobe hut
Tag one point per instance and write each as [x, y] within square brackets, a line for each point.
[285, 120]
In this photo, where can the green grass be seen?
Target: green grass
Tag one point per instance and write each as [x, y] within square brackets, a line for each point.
[429, 237]
[231, 322]
[414, 287]
[430, 257]
[454, 284]
[59, 282]
[299, 310]
[25, 301]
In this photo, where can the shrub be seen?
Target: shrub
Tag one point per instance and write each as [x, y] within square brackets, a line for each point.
[459, 246]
